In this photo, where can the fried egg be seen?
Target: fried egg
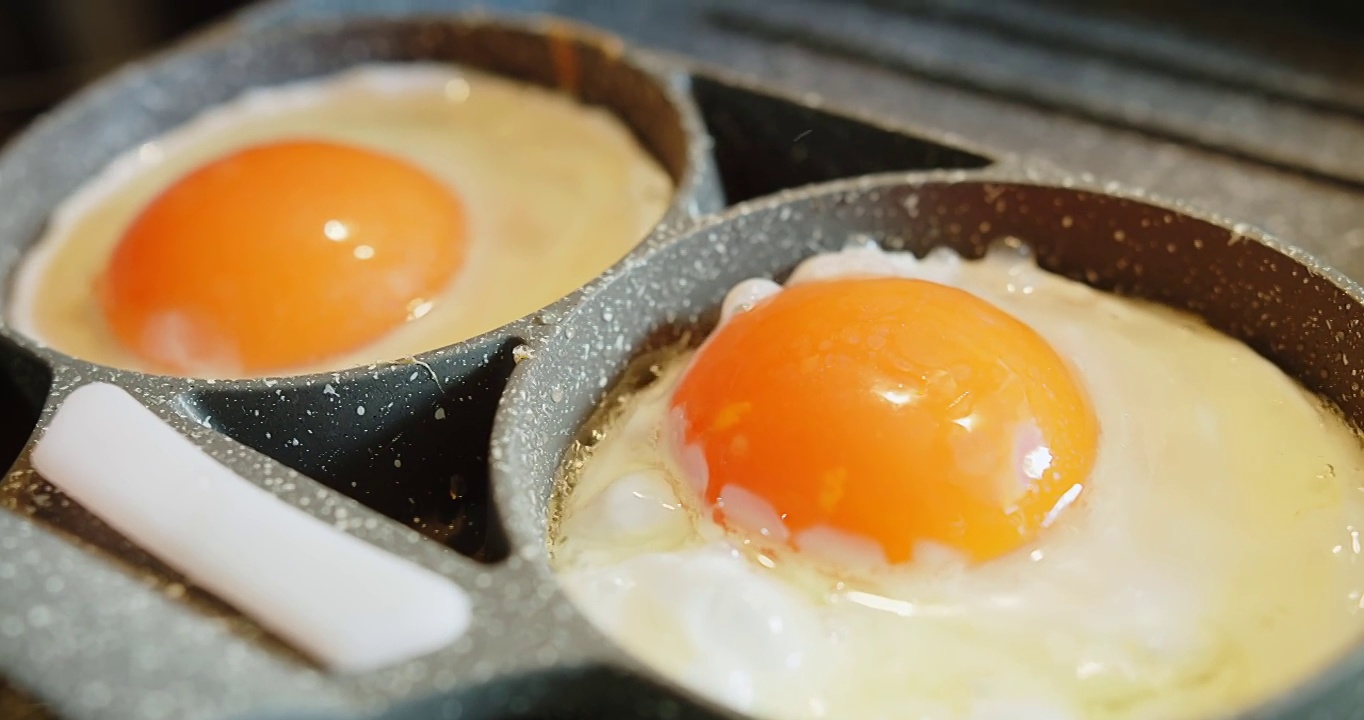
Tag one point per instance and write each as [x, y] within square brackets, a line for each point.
[363, 217]
[1044, 502]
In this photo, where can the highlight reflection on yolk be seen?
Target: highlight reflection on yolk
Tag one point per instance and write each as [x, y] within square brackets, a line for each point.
[892, 410]
[281, 255]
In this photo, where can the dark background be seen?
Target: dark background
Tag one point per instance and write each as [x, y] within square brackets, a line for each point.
[50, 47]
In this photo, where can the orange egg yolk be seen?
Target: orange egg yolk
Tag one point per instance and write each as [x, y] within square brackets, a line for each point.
[281, 255]
[889, 410]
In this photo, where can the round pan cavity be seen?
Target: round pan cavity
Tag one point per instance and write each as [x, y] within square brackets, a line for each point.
[49, 161]
[429, 415]
[1305, 317]
[389, 445]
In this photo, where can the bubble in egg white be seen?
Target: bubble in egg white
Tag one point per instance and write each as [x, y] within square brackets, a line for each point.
[641, 504]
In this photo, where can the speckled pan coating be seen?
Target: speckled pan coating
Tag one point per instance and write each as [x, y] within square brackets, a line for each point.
[102, 631]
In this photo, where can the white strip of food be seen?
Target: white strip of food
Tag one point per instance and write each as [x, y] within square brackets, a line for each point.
[347, 604]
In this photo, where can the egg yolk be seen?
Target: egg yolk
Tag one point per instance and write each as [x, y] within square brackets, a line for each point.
[281, 255]
[889, 410]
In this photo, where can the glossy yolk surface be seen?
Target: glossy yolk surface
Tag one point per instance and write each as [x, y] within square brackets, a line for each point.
[280, 255]
[891, 410]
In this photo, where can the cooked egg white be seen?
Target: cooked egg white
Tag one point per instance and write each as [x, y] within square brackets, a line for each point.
[554, 192]
[1213, 560]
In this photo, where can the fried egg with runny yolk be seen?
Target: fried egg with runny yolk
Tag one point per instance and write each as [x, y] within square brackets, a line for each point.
[970, 429]
[281, 255]
[359, 218]
[936, 488]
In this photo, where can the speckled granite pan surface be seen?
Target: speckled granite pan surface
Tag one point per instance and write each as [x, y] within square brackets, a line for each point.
[96, 628]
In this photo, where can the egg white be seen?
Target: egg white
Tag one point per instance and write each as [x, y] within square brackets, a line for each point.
[554, 193]
[1213, 559]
